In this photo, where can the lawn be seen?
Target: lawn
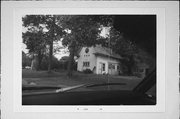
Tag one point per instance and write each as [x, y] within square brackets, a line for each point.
[60, 79]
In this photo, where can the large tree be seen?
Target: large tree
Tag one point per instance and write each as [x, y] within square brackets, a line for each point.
[42, 30]
[83, 30]
[116, 41]
[132, 54]
[35, 42]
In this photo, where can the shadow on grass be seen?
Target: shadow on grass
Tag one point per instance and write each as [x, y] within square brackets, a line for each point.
[60, 77]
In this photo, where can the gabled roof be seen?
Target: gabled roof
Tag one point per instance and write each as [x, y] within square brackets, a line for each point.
[103, 51]
[106, 52]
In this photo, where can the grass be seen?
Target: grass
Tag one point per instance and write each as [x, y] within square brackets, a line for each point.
[40, 74]
[59, 78]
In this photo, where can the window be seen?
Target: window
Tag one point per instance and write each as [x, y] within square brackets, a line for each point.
[118, 67]
[86, 64]
[87, 50]
[86, 55]
[111, 66]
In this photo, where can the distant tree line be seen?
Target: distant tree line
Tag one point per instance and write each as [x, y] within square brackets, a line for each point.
[57, 65]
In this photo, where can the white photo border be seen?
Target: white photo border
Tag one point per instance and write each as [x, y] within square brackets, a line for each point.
[160, 39]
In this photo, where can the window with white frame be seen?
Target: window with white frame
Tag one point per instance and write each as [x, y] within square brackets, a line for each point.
[86, 64]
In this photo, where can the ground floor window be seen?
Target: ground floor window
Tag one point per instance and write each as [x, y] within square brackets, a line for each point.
[111, 66]
[86, 64]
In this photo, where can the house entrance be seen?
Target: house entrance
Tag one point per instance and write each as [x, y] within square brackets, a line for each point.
[101, 68]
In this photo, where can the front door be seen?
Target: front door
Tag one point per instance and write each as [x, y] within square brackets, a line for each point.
[101, 68]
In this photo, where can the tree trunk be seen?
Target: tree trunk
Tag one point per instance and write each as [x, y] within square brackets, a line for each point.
[34, 63]
[71, 59]
[50, 56]
[51, 45]
[131, 64]
[40, 56]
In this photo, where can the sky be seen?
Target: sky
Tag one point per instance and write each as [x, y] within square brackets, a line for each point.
[63, 51]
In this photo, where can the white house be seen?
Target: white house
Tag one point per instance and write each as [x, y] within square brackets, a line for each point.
[99, 59]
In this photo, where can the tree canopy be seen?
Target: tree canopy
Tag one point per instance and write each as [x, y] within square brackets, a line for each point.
[42, 30]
